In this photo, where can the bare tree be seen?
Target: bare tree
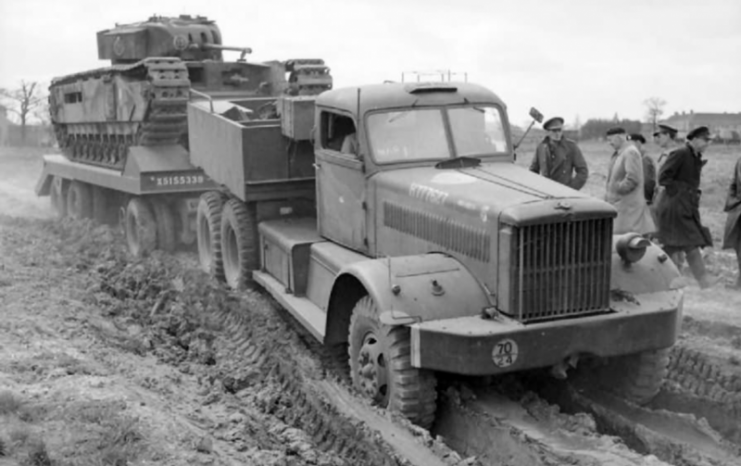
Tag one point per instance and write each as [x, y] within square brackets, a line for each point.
[654, 110]
[25, 102]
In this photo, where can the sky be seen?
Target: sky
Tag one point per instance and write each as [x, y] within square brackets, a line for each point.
[578, 59]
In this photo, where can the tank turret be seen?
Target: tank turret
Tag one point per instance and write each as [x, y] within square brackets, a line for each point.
[184, 37]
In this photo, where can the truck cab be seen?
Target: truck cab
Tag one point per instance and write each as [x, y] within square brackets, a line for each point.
[430, 251]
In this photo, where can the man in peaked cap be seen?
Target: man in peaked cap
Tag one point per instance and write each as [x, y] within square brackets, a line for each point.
[649, 169]
[664, 138]
[624, 188]
[678, 209]
[559, 158]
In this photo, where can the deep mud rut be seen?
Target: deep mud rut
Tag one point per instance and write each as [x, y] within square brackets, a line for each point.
[173, 369]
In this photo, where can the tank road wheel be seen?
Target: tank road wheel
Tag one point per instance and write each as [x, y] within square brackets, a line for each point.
[58, 196]
[636, 377]
[165, 222]
[239, 246]
[381, 368]
[208, 232]
[140, 227]
[79, 200]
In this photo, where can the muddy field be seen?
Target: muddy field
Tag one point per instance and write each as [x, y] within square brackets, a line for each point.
[105, 360]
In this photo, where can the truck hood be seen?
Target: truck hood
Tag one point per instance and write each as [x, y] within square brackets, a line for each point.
[500, 190]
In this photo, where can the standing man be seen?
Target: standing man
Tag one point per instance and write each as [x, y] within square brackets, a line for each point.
[625, 186]
[664, 138]
[732, 234]
[649, 169]
[678, 209]
[559, 158]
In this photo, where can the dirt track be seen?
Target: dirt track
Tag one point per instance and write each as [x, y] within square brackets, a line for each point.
[104, 358]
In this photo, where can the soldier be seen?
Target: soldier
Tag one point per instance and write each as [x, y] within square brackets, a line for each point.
[625, 186]
[732, 233]
[559, 158]
[649, 169]
[664, 138]
[678, 209]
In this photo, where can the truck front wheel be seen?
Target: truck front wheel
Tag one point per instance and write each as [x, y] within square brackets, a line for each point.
[636, 377]
[381, 368]
[238, 243]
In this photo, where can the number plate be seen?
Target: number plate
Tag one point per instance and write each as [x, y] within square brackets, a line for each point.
[176, 181]
[504, 353]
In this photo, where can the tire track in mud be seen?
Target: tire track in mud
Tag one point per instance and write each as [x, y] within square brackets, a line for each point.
[323, 409]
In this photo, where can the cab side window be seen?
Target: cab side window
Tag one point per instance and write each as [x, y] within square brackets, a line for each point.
[338, 133]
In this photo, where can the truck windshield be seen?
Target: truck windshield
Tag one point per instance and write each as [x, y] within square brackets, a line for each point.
[421, 134]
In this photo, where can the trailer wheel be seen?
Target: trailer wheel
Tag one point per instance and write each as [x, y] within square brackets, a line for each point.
[208, 232]
[165, 222]
[140, 227]
[239, 240]
[79, 200]
[381, 368]
[58, 196]
[636, 377]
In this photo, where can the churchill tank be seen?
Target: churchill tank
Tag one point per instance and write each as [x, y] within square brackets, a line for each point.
[157, 66]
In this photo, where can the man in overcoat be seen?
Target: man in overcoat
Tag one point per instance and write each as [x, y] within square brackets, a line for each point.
[732, 233]
[559, 158]
[649, 168]
[678, 208]
[625, 186]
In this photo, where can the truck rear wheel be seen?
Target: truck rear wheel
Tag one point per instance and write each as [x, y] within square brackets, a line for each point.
[79, 200]
[58, 196]
[636, 377]
[140, 227]
[238, 243]
[165, 223]
[208, 233]
[381, 368]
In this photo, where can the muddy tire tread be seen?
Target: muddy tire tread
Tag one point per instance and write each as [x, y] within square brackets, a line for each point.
[240, 218]
[146, 239]
[210, 207]
[84, 195]
[412, 391]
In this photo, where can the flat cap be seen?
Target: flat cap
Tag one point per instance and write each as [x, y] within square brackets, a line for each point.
[637, 137]
[699, 132]
[552, 122]
[615, 130]
[667, 130]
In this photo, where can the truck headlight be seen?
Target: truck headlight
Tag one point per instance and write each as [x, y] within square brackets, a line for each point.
[631, 247]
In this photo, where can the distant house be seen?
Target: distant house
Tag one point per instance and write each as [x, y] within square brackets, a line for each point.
[4, 124]
[726, 126]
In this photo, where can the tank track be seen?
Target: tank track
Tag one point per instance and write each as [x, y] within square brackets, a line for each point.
[165, 120]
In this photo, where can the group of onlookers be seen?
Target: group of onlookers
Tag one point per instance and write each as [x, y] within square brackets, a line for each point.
[659, 199]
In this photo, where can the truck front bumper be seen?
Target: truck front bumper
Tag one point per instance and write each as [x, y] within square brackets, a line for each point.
[481, 346]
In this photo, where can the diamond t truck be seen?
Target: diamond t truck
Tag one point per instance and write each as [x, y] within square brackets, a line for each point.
[416, 242]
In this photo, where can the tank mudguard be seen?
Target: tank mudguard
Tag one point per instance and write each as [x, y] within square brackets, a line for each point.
[419, 288]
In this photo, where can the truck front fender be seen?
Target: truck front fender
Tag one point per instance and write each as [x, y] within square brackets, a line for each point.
[407, 290]
[654, 272]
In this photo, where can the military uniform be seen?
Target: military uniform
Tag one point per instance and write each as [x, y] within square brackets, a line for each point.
[561, 161]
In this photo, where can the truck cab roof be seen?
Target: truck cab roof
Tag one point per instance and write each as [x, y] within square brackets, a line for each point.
[400, 95]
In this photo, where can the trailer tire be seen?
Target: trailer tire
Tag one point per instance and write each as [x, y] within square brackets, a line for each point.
[239, 240]
[165, 222]
[58, 196]
[79, 200]
[381, 367]
[208, 233]
[140, 227]
[636, 377]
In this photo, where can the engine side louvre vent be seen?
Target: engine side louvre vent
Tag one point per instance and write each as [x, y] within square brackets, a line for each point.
[439, 230]
[560, 270]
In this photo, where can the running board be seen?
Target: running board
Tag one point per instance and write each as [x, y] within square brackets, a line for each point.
[310, 316]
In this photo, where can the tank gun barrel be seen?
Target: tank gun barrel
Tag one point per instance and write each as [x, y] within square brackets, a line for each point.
[244, 50]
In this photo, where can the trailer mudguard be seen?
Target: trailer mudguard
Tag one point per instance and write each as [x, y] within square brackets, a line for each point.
[418, 288]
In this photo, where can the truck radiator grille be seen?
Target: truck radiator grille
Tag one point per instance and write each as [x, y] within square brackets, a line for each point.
[560, 270]
[439, 230]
